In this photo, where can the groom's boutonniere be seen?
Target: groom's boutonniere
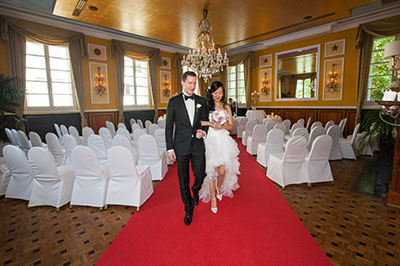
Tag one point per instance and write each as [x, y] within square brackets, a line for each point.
[198, 106]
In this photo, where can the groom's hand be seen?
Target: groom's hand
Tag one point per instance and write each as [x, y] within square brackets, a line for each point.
[199, 133]
[171, 155]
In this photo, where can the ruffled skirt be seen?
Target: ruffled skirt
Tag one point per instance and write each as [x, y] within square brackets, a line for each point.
[221, 149]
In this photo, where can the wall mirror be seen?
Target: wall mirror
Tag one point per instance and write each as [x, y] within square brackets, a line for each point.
[297, 74]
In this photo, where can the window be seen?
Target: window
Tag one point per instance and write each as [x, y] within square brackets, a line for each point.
[136, 82]
[379, 73]
[303, 88]
[236, 89]
[48, 77]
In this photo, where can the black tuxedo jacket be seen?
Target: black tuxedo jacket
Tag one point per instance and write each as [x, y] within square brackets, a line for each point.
[184, 140]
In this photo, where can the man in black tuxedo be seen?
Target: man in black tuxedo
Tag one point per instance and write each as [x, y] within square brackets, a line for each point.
[232, 104]
[186, 111]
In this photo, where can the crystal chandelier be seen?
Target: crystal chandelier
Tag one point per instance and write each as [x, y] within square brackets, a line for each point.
[205, 60]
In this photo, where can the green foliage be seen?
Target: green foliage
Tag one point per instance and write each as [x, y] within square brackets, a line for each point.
[379, 44]
[11, 95]
[380, 82]
[377, 94]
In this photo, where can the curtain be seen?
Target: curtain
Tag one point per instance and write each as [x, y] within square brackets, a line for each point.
[178, 66]
[364, 42]
[200, 82]
[248, 62]
[15, 31]
[120, 49]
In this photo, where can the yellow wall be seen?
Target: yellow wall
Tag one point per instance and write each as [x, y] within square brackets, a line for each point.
[349, 94]
[172, 82]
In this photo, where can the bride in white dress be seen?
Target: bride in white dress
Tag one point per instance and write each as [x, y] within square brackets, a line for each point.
[222, 163]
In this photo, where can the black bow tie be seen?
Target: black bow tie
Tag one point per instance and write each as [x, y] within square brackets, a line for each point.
[189, 97]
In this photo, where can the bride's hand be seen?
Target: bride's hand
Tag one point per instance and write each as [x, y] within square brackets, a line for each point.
[216, 125]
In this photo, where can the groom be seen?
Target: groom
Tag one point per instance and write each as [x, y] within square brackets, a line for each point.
[185, 144]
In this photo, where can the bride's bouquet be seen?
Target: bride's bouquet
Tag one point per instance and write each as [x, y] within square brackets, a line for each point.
[220, 116]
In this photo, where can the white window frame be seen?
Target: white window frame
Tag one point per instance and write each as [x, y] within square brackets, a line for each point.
[236, 96]
[138, 106]
[51, 108]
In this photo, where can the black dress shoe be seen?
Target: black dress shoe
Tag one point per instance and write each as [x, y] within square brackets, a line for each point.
[188, 218]
[196, 199]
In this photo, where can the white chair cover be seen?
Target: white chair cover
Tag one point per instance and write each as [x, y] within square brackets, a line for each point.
[23, 139]
[308, 123]
[287, 123]
[274, 144]
[35, 139]
[10, 136]
[249, 131]
[159, 135]
[136, 135]
[21, 181]
[134, 127]
[58, 131]
[149, 154]
[75, 133]
[346, 145]
[111, 127]
[121, 125]
[161, 123]
[152, 129]
[258, 137]
[64, 130]
[315, 124]
[269, 125]
[107, 136]
[329, 124]
[124, 141]
[317, 162]
[294, 127]
[147, 124]
[16, 138]
[342, 124]
[334, 132]
[242, 127]
[282, 127]
[5, 176]
[124, 132]
[96, 143]
[301, 121]
[288, 167]
[129, 184]
[140, 123]
[132, 121]
[91, 180]
[301, 131]
[52, 185]
[54, 146]
[69, 145]
[86, 132]
[315, 132]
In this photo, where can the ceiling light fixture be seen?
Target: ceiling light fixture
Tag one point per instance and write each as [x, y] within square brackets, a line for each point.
[93, 8]
[205, 60]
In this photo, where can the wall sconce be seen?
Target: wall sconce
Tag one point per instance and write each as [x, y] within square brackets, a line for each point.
[255, 96]
[332, 83]
[100, 83]
[166, 88]
[265, 88]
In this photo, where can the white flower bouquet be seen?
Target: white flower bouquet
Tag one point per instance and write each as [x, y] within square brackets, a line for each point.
[220, 116]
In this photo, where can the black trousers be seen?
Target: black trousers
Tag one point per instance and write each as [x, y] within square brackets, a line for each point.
[198, 161]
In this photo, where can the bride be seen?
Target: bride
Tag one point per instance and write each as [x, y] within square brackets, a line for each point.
[222, 163]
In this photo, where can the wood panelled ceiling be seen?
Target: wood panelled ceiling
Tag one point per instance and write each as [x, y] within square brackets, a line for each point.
[235, 22]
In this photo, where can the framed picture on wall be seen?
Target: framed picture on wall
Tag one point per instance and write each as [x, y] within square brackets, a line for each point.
[166, 63]
[165, 86]
[266, 60]
[335, 48]
[265, 85]
[97, 52]
[99, 83]
[333, 79]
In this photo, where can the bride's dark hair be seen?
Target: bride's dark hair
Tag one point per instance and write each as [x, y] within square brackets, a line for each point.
[210, 101]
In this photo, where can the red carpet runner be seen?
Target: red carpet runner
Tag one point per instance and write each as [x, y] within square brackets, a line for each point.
[255, 227]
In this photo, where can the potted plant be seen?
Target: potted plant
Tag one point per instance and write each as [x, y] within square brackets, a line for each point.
[10, 98]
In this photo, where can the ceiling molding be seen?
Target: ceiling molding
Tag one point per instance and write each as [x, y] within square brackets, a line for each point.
[89, 29]
[388, 10]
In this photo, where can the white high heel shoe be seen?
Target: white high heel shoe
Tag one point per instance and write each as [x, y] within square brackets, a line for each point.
[219, 195]
[214, 210]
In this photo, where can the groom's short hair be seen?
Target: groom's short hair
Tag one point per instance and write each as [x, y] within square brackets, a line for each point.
[188, 73]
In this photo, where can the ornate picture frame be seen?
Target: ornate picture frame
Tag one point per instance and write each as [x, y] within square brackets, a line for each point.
[99, 83]
[97, 52]
[333, 72]
[265, 84]
[166, 63]
[165, 86]
[266, 60]
[334, 48]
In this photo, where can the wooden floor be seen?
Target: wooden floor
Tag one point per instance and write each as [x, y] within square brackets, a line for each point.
[351, 228]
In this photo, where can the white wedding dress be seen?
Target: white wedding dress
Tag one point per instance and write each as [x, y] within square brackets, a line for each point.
[221, 149]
